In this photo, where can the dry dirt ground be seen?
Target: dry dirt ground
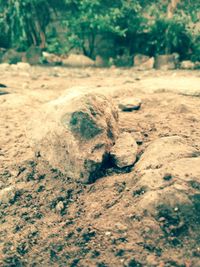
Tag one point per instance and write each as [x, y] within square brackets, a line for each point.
[101, 224]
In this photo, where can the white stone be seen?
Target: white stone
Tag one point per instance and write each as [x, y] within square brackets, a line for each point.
[130, 104]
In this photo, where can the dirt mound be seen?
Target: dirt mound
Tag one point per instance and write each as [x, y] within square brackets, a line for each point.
[56, 221]
[143, 215]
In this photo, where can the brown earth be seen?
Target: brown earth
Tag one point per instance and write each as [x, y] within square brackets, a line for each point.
[51, 220]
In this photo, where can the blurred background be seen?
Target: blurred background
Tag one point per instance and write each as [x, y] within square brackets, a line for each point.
[114, 31]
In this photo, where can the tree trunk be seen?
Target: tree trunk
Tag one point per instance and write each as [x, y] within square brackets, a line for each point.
[171, 8]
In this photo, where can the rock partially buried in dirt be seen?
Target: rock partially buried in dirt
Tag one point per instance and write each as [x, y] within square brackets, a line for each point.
[167, 187]
[124, 152]
[74, 60]
[7, 194]
[130, 104]
[182, 171]
[163, 151]
[76, 134]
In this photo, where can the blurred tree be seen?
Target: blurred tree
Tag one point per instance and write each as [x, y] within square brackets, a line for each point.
[137, 26]
[25, 21]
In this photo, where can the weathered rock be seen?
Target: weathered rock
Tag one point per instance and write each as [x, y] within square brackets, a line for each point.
[186, 169]
[52, 58]
[181, 170]
[34, 55]
[7, 194]
[142, 62]
[124, 152]
[78, 61]
[163, 151]
[187, 65]
[76, 134]
[130, 104]
[166, 62]
[147, 65]
[139, 59]
[12, 56]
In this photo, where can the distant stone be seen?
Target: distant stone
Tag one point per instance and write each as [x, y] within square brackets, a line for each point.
[187, 65]
[124, 152]
[7, 194]
[147, 65]
[11, 56]
[74, 60]
[139, 59]
[34, 55]
[130, 104]
[167, 62]
[52, 58]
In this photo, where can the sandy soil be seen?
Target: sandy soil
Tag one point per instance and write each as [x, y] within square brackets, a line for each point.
[100, 223]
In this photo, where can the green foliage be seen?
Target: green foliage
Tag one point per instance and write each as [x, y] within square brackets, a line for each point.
[85, 20]
[128, 26]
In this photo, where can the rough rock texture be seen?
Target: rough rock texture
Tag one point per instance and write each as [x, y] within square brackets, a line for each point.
[139, 59]
[187, 65]
[124, 152]
[147, 65]
[143, 62]
[74, 60]
[166, 62]
[163, 151]
[77, 133]
[167, 185]
[130, 104]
